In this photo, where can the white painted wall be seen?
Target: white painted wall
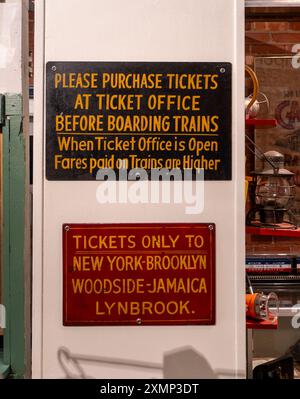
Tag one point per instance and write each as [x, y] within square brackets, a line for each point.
[148, 30]
[11, 47]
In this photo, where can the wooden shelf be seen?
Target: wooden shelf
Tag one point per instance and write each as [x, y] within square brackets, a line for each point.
[261, 324]
[269, 231]
[261, 123]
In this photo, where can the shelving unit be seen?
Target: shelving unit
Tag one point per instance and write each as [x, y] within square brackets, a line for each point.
[254, 123]
[261, 123]
[267, 231]
[280, 246]
[261, 324]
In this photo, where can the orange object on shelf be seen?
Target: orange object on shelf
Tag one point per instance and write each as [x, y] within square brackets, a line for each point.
[252, 306]
[258, 311]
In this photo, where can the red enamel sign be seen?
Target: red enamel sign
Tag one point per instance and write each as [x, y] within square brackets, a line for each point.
[138, 274]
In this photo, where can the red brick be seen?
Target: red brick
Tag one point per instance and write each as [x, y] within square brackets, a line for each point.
[249, 60]
[250, 26]
[286, 37]
[258, 37]
[270, 26]
[248, 83]
[285, 47]
[277, 26]
[266, 50]
[288, 48]
[295, 26]
[248, 49]
[260, 26]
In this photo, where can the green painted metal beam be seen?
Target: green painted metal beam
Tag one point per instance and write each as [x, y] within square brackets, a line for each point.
[13, 234]
[5, 239]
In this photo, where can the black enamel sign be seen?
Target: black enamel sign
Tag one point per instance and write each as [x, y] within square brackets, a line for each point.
[129, 115]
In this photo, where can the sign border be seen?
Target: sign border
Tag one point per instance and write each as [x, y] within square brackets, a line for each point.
[212, 237]
[51, 175]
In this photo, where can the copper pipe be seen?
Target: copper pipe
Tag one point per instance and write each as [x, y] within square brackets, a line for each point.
[253, 76]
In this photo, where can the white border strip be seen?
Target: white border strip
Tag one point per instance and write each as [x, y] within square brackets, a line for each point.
[272, 3]
[38, 193]
[238, 151]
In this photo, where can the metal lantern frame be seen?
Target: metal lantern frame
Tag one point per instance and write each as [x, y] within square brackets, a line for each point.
[277, 189]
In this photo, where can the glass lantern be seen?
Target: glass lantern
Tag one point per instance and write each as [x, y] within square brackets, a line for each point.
[272, 195]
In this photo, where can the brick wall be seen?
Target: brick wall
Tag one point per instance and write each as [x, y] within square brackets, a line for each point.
[270, 38]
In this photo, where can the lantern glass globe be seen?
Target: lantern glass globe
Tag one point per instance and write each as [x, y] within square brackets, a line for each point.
[274, 192]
